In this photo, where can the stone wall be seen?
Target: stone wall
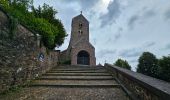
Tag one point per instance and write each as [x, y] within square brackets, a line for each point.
[22, 57]
[139, 86]
[64, 57]
[86, 46]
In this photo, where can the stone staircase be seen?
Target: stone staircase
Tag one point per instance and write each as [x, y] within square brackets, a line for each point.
[77, 83]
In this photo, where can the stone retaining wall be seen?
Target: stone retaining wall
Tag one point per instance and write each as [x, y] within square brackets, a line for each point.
[141, 87]
[22, 57]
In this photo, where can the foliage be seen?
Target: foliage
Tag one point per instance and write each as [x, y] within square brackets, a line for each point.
[122, 63]
[45, 12]
[4, 3]
[164, 68]
[48, 13]
[13, 26]
[151, 66]
[148, 64]
[41, 20]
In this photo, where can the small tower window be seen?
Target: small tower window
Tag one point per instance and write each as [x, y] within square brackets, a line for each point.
[80, 32]
[80, 25]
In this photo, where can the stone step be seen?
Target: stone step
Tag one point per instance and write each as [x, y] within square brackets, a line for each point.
[76, 78]
[77, 74]
[74, 82]
[90, 71]
[79, 85]
[77, 69]
[69, 93]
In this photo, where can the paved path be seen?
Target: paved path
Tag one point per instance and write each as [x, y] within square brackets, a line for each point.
[73, 83]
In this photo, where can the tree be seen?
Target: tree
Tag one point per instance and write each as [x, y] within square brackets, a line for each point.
[48, 13]
[42, 20]
[148, 64]
[22, 5]
[122, 63]
[4, 3]
[164, 68]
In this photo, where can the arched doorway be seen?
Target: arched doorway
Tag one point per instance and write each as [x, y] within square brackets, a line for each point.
[83, 58]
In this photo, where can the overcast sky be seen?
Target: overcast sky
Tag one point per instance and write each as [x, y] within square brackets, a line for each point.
[119, 28]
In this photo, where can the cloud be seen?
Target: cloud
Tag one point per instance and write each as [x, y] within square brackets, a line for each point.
[167, 47]
[133, 60]
[83, 3]
[94, 41]
[130, 52]
[132, 21]
[149, 13]
[116, 37]
[135, 52]
[149, 44]
[105, 52]
[167, 15]
[120, 29]
[143, 17]
[112, 14]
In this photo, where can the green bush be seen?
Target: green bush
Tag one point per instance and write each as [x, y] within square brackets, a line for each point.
[123, 64]
[50, 28]
[148, 64]
[164, 68]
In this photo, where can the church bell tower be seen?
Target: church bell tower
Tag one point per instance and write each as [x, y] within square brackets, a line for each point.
[80, 51]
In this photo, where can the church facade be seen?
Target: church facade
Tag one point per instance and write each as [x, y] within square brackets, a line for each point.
[80, 51]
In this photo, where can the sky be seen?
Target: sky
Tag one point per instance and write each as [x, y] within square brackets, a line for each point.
[119, 28]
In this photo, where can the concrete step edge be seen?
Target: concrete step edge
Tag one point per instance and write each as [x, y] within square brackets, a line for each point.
[76, 74]
[78, 69]
[78, 86]
[75, 79]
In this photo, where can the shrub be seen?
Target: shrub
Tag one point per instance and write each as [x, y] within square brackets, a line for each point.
[50, 28]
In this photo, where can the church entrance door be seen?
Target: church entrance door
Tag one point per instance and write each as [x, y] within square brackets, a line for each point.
[83, 58]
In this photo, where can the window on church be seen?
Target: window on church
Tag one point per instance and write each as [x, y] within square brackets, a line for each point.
[80, 25]
[80, 32]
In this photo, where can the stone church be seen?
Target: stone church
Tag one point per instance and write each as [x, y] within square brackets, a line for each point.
[80, 51]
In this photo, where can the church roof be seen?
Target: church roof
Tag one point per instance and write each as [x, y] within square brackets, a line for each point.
[80, 16]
